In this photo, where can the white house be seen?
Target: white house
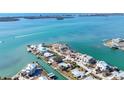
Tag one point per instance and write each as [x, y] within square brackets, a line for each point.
[64, 65]
[41, 48]
[42, 78]
[102, 65]
[77, 73]
[33, 46]
[30, 69]
[87, 58]
[47, 54]
[51, 60]
[121, 74]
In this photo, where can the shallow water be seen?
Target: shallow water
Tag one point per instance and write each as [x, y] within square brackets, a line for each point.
[83, 34]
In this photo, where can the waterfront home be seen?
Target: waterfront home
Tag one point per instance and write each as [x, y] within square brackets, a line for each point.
[114, 76]
[42, 78]
[88, 59]
[63, 47]
[102, 65]
[78, 74]
[32, 71]
[33, 47]
[68, 58]
[41, 48]
[48, 54]
[89, 78]
[64, 66]
[29, 70]
[51, 60]
[121, 74]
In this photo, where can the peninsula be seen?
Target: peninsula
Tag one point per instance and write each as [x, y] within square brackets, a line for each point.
[74, 65]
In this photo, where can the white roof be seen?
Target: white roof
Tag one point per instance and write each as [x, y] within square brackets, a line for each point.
[42, 78]
[121, 74]
[29, 68]
[115, 73]
[89, 78]
[33, 46]
[86, 58]
[64, 64]
[41, 48]
[47, 54]
[77, 73]
[102, 64]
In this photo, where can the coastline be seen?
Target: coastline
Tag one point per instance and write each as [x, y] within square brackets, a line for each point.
[111, 56]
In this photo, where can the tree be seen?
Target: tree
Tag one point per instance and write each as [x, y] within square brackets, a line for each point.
[58, 59]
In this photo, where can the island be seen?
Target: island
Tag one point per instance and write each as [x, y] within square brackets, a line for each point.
[7, 19]
[100, 14]
[117, 43]
[17, 18]
[74, 65]
[57, 16]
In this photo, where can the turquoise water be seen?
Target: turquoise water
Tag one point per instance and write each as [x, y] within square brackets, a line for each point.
[83, 34]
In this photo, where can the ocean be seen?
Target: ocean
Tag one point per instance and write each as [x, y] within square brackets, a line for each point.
[83, 34]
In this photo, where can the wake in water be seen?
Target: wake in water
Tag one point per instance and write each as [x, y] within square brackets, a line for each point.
[21, 36]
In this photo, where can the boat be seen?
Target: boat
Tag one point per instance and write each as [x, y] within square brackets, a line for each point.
[52, 75]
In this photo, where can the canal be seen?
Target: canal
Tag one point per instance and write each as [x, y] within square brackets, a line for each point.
[49, 69]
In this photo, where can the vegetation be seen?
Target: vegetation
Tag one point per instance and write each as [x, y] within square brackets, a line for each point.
[58, 59]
